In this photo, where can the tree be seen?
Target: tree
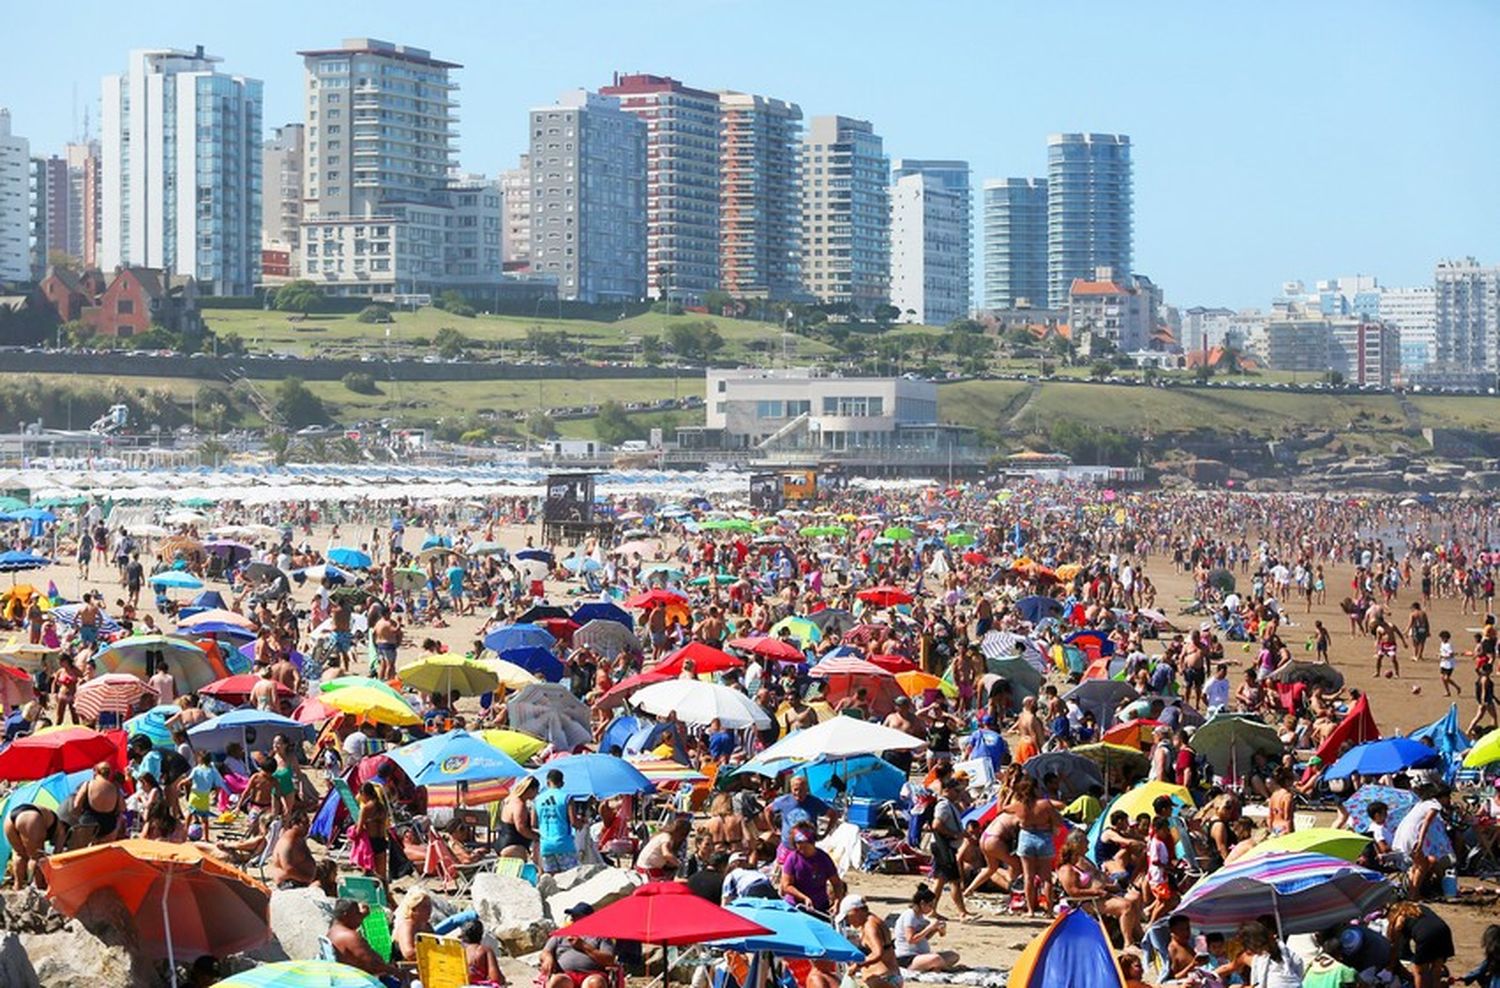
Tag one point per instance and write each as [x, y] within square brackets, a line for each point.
[540, 425]
[544, 343]
[231, 344]
[1101, 369]
[886, 313]
[279, 445]
[211, 452]
[374, 314]
[450, 343]
[696, 340]
[717, 302]
[361, 383]
[651, 348]
[454, 303]
[63, 261]
[299, 296]
[297, 405]
[614, 426]
[1334, 378]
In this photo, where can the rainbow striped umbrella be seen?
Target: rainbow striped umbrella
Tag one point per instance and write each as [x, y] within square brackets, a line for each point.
[302, 974]
[660, 770]
[1305, 892]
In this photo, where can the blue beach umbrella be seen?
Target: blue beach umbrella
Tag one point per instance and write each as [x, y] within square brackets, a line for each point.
[518, 636]
[1382, 757]
[453, 757]
[794, 933]
[349, 558]
[598, 776]
[535, 660]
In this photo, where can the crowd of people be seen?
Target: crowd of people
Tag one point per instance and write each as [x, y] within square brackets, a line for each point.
[1022, 639]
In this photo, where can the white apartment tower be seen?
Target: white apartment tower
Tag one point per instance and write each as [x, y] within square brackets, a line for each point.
[845, 214]
[1468, 316]
[281, 198]
[380, 121]
[1413, 311]
[682, 183]
[515, 186]
[181, 170]
[15, 203]
[760, 205]
[930, 240]
[588, 198]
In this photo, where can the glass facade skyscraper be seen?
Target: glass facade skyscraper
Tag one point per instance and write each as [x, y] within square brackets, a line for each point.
[1088, 209]
[1015, 243]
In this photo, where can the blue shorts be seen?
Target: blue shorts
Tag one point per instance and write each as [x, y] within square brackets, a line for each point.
[343, 641]
[554, 863]
[1035, 844]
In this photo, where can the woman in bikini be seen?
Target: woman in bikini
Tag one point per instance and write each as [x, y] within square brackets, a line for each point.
[1039, 819]
[1081, 880]
[374, 825]
[517, 830]
[724, 831]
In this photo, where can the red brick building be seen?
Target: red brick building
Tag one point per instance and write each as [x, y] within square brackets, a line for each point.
[132, 301]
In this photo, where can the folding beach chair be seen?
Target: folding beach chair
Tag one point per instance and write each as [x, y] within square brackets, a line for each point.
[441, 962]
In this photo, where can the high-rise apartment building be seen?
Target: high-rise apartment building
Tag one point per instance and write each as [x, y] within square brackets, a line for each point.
[588, 197]
[85, 201]
[515, 187]
[1413, 312]
[181, 170]
[1088, 209]
[760, 202]
[1468, 316]
[930, 237]
[50, 217]
[845, 214]
[1015, 243]
[15, 203]
[948, 239]
[380, 121]
[682, 182]
[281, 197]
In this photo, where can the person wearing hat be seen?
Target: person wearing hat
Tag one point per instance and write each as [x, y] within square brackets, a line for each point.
[743, 878]
[577, 962]
[879, 968]
[808, 876]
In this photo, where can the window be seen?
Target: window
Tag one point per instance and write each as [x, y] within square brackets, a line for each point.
[125, 307]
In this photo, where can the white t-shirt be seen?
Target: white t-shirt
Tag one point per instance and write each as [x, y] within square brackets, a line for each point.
[1445, 656]
[1285, 973]
[907, 925]
[1216, 692]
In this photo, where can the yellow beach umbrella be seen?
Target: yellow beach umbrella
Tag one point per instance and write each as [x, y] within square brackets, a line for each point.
[509, 675]
[517, 744]
[374, 705]
[1139, 799]
[448, 674]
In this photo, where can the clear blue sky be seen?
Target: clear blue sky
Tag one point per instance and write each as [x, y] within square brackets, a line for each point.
[1272, 139]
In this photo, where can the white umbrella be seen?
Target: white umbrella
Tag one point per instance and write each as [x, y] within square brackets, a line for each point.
[839, 737]
[551, 712]
[698, 702]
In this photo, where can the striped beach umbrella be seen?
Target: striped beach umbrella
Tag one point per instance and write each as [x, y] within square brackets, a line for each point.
[113, 692]
[1305, 892]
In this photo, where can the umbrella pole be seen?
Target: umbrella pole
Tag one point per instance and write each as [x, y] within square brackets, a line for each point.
[166, 923]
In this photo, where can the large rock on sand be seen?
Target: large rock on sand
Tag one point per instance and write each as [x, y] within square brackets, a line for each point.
[598, 890]
[298, 918]
[550, 885]
[512, 912]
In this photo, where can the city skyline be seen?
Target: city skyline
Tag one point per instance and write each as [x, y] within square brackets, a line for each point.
[1252, 164]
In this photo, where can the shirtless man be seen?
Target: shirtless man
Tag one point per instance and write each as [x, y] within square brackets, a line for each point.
[879, 969]
[89, 619]
[283, 670]
[799, 714]
[387, 635]
[292, 863]
[343, 636]
[711, 629]
[260, 790]
[1029, 728]
[349, 944]
[189, 715]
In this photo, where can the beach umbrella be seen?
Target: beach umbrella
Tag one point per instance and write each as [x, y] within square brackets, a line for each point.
[1075, 773]
[666, 571]
[959, 539]
[485, 549]
[550, 711]
[579, 565]
[113, 692]
[1103, 697]
[805, 632]
[602, 610]
[608, 638]
[1139, 799]
[1486, 751]
[1357, 727]
[10, 504]
[50, 793]
[898, 533]
[263, 574]
[1383, 757]
[349, 558]
[236, 689]
[1231, 743]
[1095, 644]
[627, 687]
[657, 597]
[436, 542]
[1073, 951]
[999, 645]
[534, 556]
[313, 710]
[453, 757]
[769, 647]
[191, 665]
[1446, 735]
[301, 974]
[409, 580]
[370, 703]
[1221, 580]
[863, 777]
[537, 613]
[508, 675]
[696, 702]
[19, 561]
[67, 614]
[448, 673]
[914, 682]
[540, 662]
[173, 579]
[255, 730]
[885, 596]
[839, 737]
[62, 749]
[217, 615]
[1314, 674]
[320, 572]
[1398, 801]
[1332, 841]
[594, 776]
[1023, 677]
[1119, 763]
[28, 656]
[518, 636]
[16, 687]
[794, 933]
[152, 725]
[664, 913]
[833, 620]
[228, 547]
[518, 745]
[1305, 892]
[1037, 608]
[183, 900]
[705, 658]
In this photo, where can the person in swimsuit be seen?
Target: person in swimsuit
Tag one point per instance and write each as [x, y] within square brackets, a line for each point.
[482, 966]
[879, 969]
[65, 686]
[517, 830]
[374, 825]
[1039, 819]
[28, 830]
[1081, 880]
[260, 791]
[99, 802]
